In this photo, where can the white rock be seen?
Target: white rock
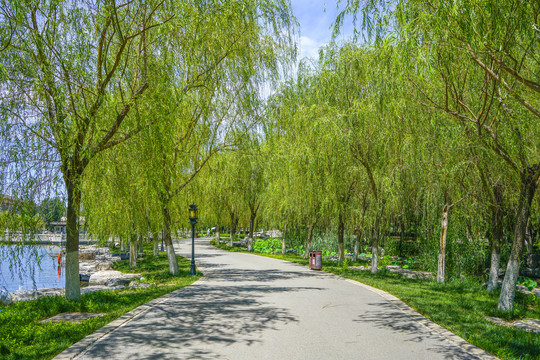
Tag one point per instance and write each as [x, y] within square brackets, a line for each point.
[102, 277]
[106, 265]
[5, 297]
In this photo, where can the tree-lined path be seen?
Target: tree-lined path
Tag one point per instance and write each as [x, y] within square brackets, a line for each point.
[252, 307]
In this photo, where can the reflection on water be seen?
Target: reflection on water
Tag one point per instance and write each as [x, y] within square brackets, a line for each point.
[30, 267]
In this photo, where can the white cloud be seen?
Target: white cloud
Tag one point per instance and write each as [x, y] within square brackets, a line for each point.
[309, 47]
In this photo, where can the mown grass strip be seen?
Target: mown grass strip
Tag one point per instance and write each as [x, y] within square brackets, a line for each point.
[461, 306]
[23, 336]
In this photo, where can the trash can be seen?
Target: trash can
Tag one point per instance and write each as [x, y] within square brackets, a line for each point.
[315, 260]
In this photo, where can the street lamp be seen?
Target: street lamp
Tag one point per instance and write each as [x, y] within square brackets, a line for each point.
[193, 216]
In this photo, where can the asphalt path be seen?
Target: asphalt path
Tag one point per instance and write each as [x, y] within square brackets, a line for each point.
[253, 307]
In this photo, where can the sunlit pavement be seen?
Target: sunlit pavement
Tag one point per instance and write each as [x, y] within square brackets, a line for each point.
[252, 307]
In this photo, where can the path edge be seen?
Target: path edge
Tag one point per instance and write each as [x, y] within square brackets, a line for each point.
[402, 306]
[85, 343]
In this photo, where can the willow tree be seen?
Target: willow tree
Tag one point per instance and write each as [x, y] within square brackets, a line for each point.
[296, 178]
[71, 76]
[219, 63]
[484, 55]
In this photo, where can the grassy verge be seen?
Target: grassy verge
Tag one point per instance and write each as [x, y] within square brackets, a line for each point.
[23, 336]
[460, 306]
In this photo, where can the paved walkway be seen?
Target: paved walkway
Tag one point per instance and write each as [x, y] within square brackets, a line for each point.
[252, 307]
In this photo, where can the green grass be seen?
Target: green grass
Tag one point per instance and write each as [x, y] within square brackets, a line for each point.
[22, 336]
[460, 306]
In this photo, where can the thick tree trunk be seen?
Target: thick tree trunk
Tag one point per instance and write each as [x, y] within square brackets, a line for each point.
[375, 242]
[496, 235]
[283, 238]
[234, 223]
[442, 245]
[73, 286]
[341, 234]
[217, 235]
[375, 246]
[251, 229]
[133, 252]
[155, 237]
[529, 180]
[309, 237]
[173, 264]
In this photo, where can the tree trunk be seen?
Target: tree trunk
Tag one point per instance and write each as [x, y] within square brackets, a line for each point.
[156, 243]
[529, 179]
[234, 223]
[375, 242]
[133, 252]
[529, 245]
[341, 246]
[73, 286]
[283, 245]
[309, 237]
[496, 235]
[217, 235]
[442, 244]
[251, 228]
[356, 246]
[173, 264]
[375, 246]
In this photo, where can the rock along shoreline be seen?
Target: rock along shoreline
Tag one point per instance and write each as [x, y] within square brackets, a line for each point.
[95, 266]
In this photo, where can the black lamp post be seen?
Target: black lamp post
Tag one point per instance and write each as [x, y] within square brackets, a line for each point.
[193, 216]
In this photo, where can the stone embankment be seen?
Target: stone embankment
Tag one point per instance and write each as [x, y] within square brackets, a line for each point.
[95, 267]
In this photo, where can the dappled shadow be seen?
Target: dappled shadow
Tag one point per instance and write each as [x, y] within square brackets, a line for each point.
[261, 276]
[387, 316]
[198, 319]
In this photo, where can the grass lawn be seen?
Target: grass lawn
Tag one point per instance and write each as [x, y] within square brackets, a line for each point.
[23, 336]
[460, 306]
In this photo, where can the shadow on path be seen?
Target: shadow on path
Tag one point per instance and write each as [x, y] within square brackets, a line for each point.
[387, 316]
[202, 314]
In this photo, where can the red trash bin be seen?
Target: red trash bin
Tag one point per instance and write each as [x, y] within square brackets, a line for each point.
[315, 260]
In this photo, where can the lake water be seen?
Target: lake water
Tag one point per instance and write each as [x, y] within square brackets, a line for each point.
[28, 267]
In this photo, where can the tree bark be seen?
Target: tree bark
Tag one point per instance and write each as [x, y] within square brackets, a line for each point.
[442, 245]
[341, 245]
[217, 235]
[234, 223]
[173, 264]
[133, 252]
[375, 246]
[251, 228]
[155, 237]
[283, 245]
[309, 237]
[496, 235]
[529, 179]
[73, 286]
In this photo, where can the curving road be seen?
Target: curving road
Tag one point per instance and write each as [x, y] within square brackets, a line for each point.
[252, 307]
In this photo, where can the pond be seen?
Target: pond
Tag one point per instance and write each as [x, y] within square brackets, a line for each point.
[27, 267]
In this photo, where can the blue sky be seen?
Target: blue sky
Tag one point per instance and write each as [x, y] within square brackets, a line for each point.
[316, 18]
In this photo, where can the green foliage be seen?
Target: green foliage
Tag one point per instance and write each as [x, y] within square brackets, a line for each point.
[529, 283]
[267, 246]
[51, 210]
